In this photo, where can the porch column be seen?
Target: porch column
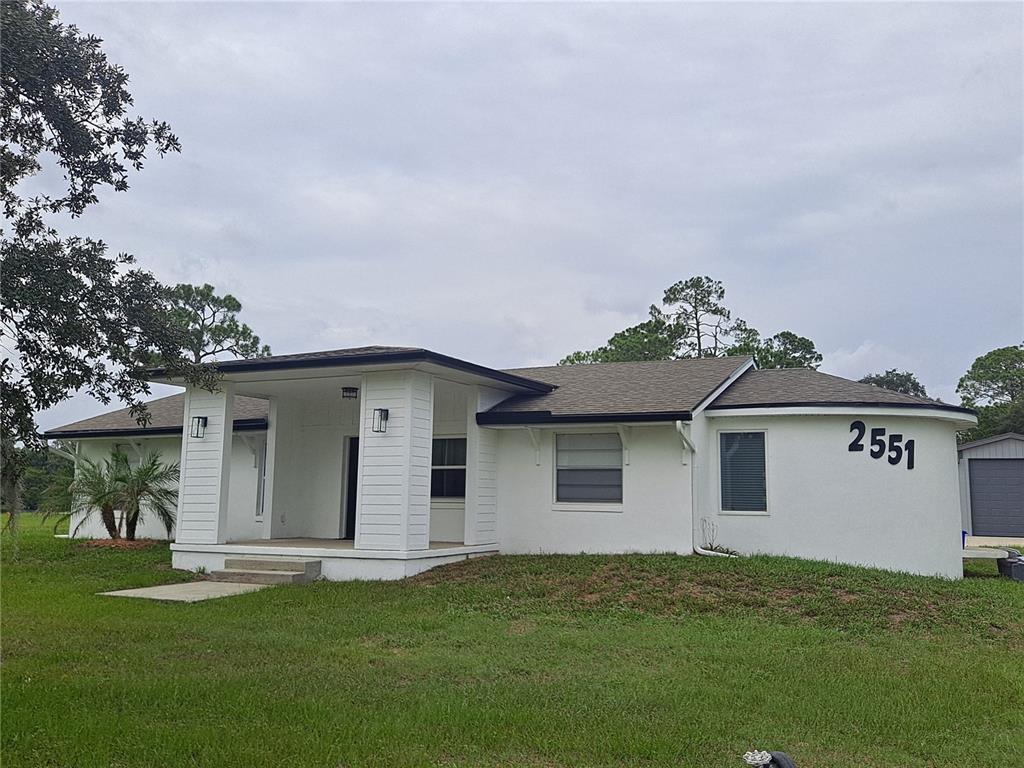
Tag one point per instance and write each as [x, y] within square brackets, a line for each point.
[393, 495]
[205, 467]
[481, 526]
[269, 469]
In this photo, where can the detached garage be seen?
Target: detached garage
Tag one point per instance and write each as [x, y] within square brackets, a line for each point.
[992, 486]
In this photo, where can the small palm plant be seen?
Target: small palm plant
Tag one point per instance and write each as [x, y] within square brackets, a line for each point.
[151, 487]
[114, 485]
[95, 489]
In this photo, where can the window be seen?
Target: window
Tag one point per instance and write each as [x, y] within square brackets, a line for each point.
[130, 453]
[588, 468]
[742, 471]
[448, 468]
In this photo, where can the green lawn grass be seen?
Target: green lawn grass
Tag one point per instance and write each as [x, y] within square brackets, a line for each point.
[537, 661]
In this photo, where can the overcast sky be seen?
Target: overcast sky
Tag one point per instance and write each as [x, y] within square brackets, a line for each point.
[509, 183]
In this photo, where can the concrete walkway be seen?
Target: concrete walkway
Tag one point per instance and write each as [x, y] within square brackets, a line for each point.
[189, 592]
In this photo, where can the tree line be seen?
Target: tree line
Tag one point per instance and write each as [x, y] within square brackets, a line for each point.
[693, 321]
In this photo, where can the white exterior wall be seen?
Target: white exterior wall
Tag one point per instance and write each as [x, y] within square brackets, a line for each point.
[654, 516]
[481, 520]
[393, 502]
[1010, 448]
[169, 450]
[206, 468]
[309, 469]
[242, 520]
[828, 503]
[420, 450]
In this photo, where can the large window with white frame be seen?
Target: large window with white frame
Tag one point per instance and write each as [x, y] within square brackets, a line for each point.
[742, 472]
[448, 468]
[588, 468]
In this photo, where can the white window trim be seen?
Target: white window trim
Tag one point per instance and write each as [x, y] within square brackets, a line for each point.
[449, 499]
[766, 512]
[584, 506]
[261, 479]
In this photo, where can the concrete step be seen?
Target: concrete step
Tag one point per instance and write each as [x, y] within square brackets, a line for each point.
[309, 567]
[252, 576]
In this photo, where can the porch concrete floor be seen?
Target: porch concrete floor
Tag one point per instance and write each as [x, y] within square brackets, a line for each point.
[343, 544]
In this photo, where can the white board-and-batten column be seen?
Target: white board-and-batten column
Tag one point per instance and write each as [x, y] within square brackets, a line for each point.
[205, 467]
[481, 521]
[393, 493]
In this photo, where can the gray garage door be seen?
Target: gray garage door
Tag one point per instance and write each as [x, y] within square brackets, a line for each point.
[997, 496]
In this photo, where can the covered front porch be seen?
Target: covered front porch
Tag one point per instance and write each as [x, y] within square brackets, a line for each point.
[379, 470]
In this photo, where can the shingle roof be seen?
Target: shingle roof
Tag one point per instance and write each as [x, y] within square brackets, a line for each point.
[166, 417]
[661, 389]
[652, 391]
[791, 387]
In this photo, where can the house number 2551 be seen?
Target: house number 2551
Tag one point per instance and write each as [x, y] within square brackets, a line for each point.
[893, 448]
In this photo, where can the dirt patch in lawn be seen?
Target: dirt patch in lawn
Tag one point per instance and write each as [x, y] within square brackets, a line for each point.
[120, 543]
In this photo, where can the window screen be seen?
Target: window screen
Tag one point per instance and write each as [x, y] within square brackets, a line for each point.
[448, 468]
[743, 472]
[588, 468]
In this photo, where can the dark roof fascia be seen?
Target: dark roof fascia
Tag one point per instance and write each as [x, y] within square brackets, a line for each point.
[992, 439]
[239, 425]
[529, 418]
[845, 404]
[374, 358]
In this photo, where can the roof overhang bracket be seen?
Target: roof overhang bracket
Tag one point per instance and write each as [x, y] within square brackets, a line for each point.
[59, 450]
[684, 438]
[535, 441]
[624, 435]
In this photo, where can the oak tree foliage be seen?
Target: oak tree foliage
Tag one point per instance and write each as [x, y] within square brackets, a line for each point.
[896, 381]
[994, 387]
[74, 316]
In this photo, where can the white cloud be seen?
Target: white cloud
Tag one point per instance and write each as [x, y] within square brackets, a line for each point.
[512, 182]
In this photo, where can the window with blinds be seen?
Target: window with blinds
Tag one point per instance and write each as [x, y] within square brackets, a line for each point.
[742, 471]
[588, 468]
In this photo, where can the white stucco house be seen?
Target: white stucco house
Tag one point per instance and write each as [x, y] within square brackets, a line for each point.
[381, 462]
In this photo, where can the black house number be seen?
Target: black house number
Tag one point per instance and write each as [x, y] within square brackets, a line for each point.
[894, 449]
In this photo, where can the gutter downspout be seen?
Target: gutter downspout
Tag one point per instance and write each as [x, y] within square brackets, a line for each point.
[688, 443]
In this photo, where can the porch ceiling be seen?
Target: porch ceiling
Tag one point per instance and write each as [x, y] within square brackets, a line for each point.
[320, 387]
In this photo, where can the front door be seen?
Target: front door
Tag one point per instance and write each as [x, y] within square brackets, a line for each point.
[352, 476]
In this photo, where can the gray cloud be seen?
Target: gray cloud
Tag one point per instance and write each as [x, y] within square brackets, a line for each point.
[508, 183]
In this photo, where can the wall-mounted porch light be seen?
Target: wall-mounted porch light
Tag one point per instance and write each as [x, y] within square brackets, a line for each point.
[198, 426]
[349, 393]
[380, 420]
